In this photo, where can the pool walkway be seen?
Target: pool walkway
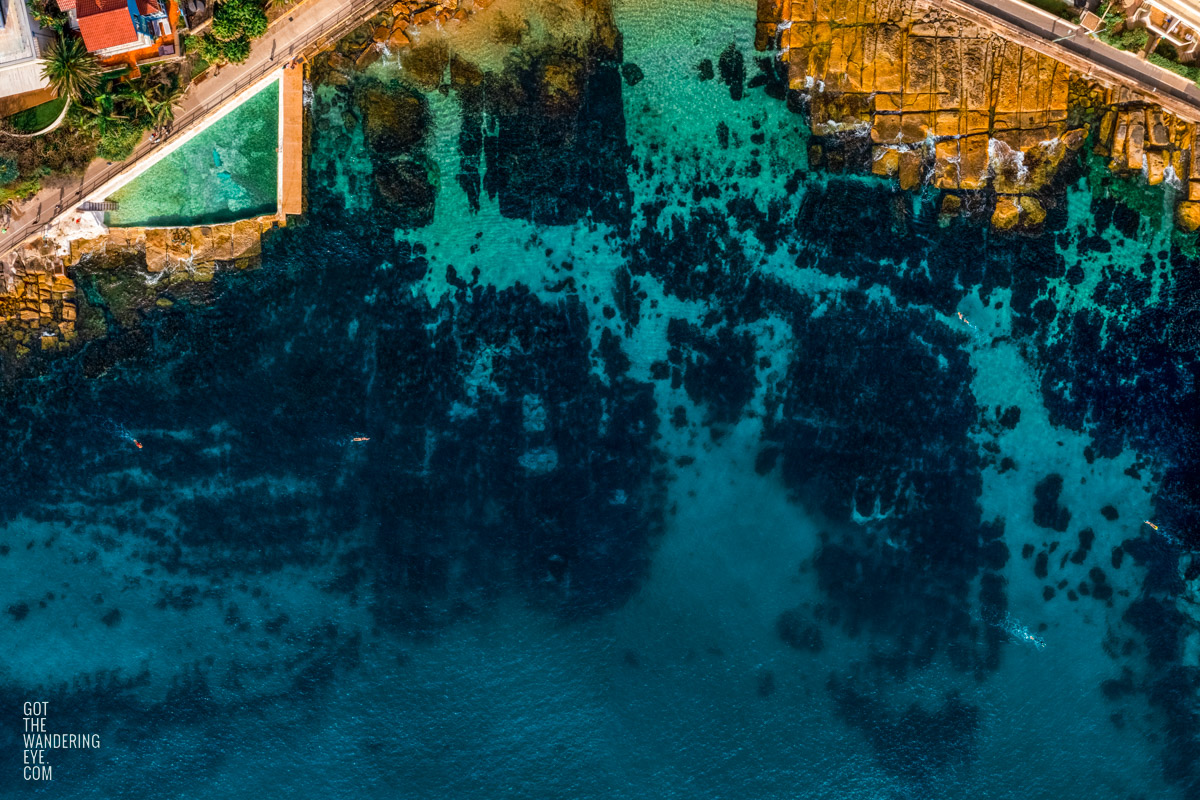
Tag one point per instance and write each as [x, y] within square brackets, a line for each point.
[310, 26]
[291, 143]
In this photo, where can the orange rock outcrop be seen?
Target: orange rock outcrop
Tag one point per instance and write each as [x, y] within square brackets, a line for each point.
[193, 249]
[37, 300]
[951, 104]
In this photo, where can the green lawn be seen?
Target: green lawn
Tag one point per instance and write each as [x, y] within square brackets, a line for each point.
[1058, 8]
[34, 119]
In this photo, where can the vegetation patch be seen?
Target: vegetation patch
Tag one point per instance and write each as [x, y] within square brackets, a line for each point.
[32, 120]
[235, 24]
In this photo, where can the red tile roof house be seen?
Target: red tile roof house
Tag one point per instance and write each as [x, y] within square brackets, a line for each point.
[111, 27]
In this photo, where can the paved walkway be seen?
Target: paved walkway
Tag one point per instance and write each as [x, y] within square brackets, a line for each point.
[1061, 40]
[291, 143]
[309, 26]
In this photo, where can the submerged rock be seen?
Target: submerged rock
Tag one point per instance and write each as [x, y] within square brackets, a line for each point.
[395, 119]
[798, 632]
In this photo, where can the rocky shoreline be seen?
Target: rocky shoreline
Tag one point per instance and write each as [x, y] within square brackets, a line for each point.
[911, 91]
[37, 300]
[462, 45]
[39, 295]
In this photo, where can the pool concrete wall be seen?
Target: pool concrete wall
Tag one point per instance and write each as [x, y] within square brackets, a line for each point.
[290, 177]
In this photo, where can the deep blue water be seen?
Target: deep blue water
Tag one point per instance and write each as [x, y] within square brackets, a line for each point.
[690, 471]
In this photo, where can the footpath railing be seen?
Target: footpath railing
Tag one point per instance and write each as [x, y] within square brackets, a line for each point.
[320, 33]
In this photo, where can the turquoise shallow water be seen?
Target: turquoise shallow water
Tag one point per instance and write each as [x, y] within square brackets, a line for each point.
[227, 172]
[685, 477]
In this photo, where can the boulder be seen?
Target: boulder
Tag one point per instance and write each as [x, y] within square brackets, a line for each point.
[1156, 128]
[1032, 213]
[247, 240]
[222, 242]
[1187, 215]
[367, 58]
[951, 205]
[1075, 138]
[885, 161]
[156, 250]
[973, 162]
[946, 162]
[910, 169]
[201, 244]
[1006, 214]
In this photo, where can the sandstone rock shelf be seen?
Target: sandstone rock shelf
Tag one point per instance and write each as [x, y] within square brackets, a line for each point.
[946, 102]
[37, 299]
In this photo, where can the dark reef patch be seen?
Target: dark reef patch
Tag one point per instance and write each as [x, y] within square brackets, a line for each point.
[797, 632]
[715, 367]
[874, 423]
[1046, 509]
[555, 147]
[732, 66]
[396, 124]
[916, 744]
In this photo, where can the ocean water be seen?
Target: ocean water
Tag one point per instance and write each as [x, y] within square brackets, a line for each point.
[583, 441]
[228, 171]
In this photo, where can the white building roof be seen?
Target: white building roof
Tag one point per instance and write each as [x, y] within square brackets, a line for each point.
[20, 51]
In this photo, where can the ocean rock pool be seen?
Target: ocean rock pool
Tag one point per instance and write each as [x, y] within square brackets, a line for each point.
[228, 171]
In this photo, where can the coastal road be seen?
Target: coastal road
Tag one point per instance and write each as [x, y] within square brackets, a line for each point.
[1047, 34]
[306, 27]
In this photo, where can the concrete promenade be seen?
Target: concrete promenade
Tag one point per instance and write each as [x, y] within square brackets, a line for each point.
[310, 25]
[291, 142]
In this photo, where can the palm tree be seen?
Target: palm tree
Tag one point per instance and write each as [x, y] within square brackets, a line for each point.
[103, 111]
[134, 98]
[163, 99]
[71, 69]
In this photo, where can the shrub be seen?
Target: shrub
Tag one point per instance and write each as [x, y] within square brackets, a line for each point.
[9, 171]
[47, 16]
[239, 19]
[118, 142]
[216, 51]
[22, 190]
